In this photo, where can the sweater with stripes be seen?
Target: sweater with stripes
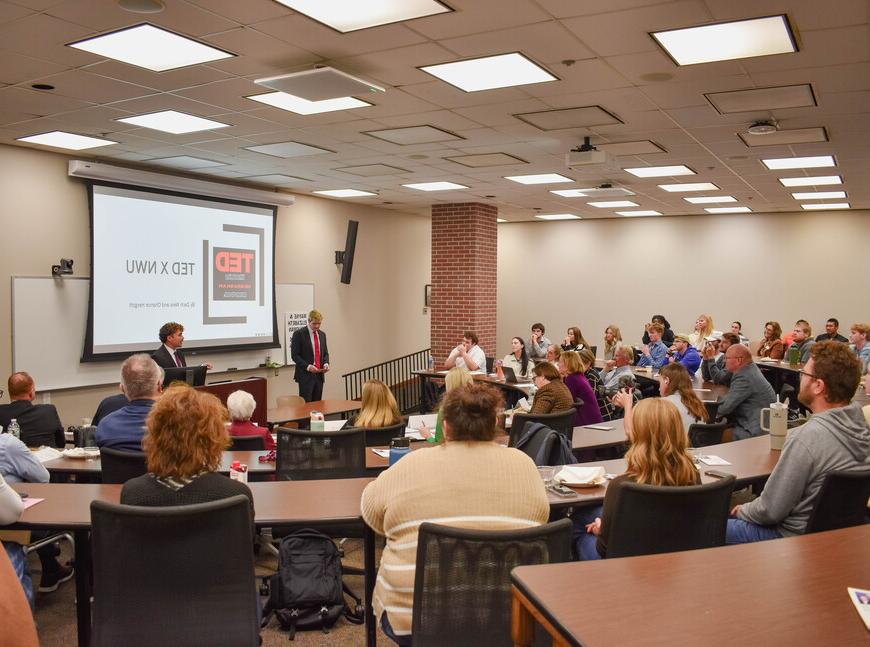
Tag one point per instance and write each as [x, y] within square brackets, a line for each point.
[464, 484]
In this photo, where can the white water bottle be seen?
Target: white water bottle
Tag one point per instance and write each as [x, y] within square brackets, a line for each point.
[14, 429]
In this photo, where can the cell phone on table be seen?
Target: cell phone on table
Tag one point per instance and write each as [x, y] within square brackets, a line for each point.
[561, 490]
[717, 474]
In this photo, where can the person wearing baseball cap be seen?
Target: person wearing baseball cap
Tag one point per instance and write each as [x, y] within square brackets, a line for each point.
[685, 353]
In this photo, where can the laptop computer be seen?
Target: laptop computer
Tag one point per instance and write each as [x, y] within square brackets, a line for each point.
[510, 376]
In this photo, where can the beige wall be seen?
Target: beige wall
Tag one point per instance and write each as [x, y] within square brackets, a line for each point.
[44, 216]
[750, 267]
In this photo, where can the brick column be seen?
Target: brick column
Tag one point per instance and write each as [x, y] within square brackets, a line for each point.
[464, 252]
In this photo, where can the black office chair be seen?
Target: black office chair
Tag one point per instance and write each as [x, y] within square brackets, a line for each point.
[561, 421]
[246, 443]
[304, 455]
[842, 501]
[594, 350]
[703, 435]
[379, 436]
[651, 519]
[712, 410]
[490, 362]
[540, 446]
[462, 586]
[179, 575]
[120, 467]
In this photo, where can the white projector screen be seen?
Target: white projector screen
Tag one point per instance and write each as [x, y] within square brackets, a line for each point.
[162, 256]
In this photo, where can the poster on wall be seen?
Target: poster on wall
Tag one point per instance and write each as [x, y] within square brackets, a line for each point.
[293, 321]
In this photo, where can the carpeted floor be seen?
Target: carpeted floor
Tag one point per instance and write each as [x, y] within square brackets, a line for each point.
[56, 618]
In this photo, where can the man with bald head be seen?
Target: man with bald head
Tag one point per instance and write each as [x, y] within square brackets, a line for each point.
[748, 395]
[40, 424]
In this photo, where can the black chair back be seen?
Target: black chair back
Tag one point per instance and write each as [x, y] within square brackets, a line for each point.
[120, 467]
[540, 447]
[652, 519]
[462, 586]
[247, 443]
[490, 362]
[178, 575]
[703, 435]
[594, 350]
[379, 436]
[304, 455]
[561, 421]
[712, 410]
[842, 501]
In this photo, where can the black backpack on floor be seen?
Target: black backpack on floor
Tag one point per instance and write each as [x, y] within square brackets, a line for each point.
[307, 592]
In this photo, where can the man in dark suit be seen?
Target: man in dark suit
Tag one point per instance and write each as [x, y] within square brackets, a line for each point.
[39, 423]
[311, 357]
[169, 355]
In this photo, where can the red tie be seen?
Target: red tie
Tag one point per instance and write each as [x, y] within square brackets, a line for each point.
[316, 350]
[177, 361]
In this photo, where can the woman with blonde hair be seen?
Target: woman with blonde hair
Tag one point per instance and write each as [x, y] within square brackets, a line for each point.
[456, 377]
[553, 354]
[378, 407]
[703, 328]
[771, 343]
[572, 370]
[612, 339]
[658, 455]
[676, 385]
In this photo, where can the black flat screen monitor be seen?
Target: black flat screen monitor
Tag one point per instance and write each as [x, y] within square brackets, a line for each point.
[192, 375]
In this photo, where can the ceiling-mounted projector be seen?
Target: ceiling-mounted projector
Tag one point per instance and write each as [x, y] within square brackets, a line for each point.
[586, 155]
[320, 84]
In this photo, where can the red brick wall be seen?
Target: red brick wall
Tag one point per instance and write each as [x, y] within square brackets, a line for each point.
[464, 252]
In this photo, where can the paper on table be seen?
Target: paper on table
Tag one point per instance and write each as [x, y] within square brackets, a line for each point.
[45, 454]
[713, 460]
[524, 405]
[413, 434]
[415, 422]
[383, 453]
[334, 425]
[31, 501]
[570, 474]
[861, 599]
[601, 427]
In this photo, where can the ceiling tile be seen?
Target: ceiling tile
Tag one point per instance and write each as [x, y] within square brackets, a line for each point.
[183, 18]
[478, 16]
[15, 68]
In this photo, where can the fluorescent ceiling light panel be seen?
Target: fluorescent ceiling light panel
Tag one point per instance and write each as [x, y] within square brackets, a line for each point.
[711, 199]
[728, 210]
[758, 99]
[818, 206]
[372, 170]
[287, 149]
[570, 193]
[69, 141]
[557, 216]
[345, 193]
[151, 47]
[275, 179]
[821, 180]
[645, 147]
[613, 204]
[490, 72]
[413, 135]
[577, 117]
[728, 41]
[660, 171]
[819, 161]
[172, 121]
[302, 106]
[631, 214]
[435, 186]
[185, 162]
[350, 15]
[819, 195]
[690, 186]
[542, 178]
[482, 160]
[786, 137]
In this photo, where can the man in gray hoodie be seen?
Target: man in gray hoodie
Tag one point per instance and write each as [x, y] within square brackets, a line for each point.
[836, 438]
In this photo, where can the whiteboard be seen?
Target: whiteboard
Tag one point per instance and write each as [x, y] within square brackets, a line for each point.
[49, 317]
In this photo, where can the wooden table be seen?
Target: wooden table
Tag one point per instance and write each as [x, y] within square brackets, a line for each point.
[782, 592]
[302, 412]
[312, 503]
[93, 466]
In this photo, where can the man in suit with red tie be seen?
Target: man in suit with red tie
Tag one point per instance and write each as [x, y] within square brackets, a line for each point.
[311, 357]
[169, 355]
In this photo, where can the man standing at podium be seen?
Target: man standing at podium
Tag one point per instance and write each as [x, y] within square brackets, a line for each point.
[311, 357]
[169, 354]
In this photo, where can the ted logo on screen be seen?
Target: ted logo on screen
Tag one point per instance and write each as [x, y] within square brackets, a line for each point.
[233, 274]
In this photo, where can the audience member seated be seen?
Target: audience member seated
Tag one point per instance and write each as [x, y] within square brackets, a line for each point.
[19, 465]
[378, 407]
[703, 329]
[467, 354]
[142, 383]
[15, 614]
[737, 329]
[612, 339]
[658, 455]
[676, 385]
[574, 340]
[241, 405]
[184, 444]
[867, 393]
[461, 483]
[655, 353]
[39, 423]
[713, 367]
[667, 336]
[455, 378]
[860, 338]
[518, 359]
[538, 343]
[748, 395]
[788, 338]
[587, 363]
[803, 341]
[108, 405]
[832, 332]
[553, 354]
[617, 371]
[588, 413]
[835, 438]
[771, 345]
[552, 395]
[685, 354]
